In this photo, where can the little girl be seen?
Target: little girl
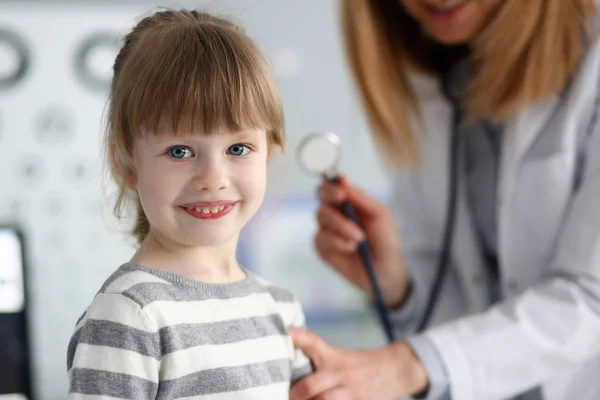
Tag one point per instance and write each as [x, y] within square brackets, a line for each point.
[193, 115]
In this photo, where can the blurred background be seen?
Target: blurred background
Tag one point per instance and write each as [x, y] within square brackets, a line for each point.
[59, 241]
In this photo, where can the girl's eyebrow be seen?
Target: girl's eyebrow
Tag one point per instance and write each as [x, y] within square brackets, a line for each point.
[250, 133]
[166, 137]
[171, 137]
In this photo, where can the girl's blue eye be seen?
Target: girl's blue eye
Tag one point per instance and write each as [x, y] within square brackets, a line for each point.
[238, 150]
[180, 152]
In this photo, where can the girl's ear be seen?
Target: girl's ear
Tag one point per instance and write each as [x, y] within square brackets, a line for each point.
[127, 176]
[130, 181]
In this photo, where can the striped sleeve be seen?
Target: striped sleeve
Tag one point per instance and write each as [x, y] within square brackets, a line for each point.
[301, 365]
[114, 352]
[292, 314]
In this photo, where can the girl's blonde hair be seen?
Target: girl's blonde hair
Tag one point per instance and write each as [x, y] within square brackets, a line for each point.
[527, 52]
[199, 70]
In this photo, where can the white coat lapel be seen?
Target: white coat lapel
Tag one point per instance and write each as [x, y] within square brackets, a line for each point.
[518, 137]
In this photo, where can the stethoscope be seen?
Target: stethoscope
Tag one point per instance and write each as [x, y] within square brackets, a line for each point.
[319, 153]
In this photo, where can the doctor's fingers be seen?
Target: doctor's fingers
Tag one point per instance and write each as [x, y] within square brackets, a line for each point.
[330, 243]
[331, 193]
[363, 202]
[335, 394]
[331, 219]
[319, 385]
[342, 256]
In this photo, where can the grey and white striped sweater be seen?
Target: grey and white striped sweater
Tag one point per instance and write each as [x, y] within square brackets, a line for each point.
[150, 334]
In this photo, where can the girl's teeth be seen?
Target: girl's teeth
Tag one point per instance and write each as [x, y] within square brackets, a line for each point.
[213, 210]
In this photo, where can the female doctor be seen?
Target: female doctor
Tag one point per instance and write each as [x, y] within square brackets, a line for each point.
[489, 112]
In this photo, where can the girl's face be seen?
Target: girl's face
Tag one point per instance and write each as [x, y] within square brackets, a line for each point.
[200, 190]
[452, 22]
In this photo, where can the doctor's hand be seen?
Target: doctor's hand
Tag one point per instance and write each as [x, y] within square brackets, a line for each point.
[338, 238]
[390, 372]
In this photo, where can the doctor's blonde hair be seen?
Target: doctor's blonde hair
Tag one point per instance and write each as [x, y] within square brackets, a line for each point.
[197, 70]
[526, 53]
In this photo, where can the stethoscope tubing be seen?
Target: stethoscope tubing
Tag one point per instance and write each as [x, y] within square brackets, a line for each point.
[366, 259]
[444, 257]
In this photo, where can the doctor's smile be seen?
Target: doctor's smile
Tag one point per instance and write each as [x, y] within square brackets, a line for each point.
[446, 8]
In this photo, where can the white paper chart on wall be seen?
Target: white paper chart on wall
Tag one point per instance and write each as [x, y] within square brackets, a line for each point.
[55, 66]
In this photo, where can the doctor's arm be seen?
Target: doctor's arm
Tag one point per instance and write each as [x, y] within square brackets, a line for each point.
[496, 354]
[552, 326]
[420, 253]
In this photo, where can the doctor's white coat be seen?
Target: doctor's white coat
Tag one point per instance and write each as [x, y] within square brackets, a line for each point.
[547, 330]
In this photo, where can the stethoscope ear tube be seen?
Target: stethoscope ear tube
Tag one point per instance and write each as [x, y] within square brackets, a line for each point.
[446, 247]
[444, 258]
